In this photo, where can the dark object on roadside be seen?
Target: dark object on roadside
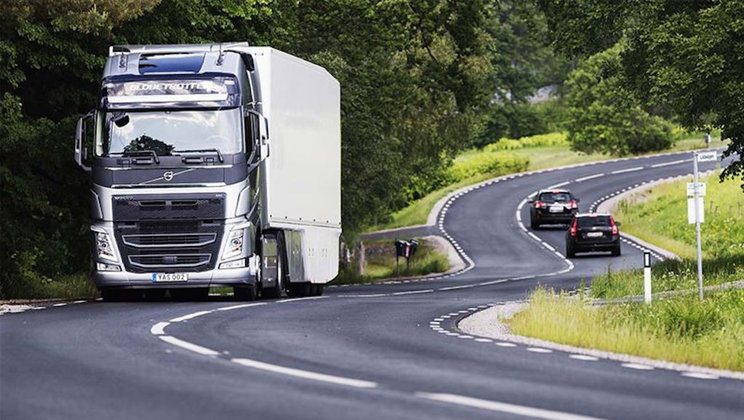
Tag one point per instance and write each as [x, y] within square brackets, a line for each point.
[591, 232]
[552, 207]
[405, 249]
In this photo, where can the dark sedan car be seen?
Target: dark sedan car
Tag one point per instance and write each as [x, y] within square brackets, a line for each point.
[593, 232]
[550, 207]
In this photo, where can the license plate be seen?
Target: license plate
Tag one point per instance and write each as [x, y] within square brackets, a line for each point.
[556, 209]
[166, 277]
[594, 234]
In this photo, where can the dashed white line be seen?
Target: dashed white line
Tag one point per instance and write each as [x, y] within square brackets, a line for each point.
[637, 366]
[676, 162]
[412, 292]
[539, 350]
[586, 178]
[583, 357]
[314, 376]
[502, 407]
[245, 305]
[159, 328]
[699, 375]
[188, 346]
[190, 316]
[622, 171]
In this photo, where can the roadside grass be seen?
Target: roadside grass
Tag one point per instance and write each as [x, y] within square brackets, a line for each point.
[71, 286]
[662, 219]
[542, 151]
[681, 329]
[380, 263]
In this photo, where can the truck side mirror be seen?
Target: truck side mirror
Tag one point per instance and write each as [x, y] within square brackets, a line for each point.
[262, 133]
[81, 152]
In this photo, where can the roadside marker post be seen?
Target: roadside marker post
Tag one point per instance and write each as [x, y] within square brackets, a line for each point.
[647, 276]
[698, 209]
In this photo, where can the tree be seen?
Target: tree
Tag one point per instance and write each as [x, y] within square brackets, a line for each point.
[683, 57]
[605, 116]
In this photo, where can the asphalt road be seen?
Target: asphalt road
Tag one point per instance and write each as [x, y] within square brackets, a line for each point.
[364, 352]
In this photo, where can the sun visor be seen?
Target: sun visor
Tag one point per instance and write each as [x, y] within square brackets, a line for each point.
[181, 93]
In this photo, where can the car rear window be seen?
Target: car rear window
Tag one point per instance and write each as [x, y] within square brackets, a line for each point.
[551, 197]
[585, 222]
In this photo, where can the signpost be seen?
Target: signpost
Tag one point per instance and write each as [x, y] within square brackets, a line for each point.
[696, 202]
[647, 277]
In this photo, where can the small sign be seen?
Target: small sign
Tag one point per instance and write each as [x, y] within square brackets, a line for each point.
[707, 156]
[691, 189]
[691, 210]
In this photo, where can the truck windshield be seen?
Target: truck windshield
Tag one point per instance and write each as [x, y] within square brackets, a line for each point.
[167, 132]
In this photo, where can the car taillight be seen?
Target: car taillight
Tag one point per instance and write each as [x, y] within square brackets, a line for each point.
[538, 204]
[573, 204]
[614, 226]
[573, 228]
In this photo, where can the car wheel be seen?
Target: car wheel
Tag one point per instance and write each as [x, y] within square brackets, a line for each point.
[616, 251]
[570, 251]
[534, 225]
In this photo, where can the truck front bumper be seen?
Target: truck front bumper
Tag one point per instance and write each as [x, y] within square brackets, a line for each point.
[211, 278]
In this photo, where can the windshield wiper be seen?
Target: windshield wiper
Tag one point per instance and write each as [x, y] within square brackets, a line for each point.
[135, 153]
[217, 151]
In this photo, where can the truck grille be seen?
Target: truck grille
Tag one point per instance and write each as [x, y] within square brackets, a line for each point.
[169, 246]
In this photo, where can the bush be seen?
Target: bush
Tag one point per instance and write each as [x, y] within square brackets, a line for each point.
[540, 140]
[485, 163]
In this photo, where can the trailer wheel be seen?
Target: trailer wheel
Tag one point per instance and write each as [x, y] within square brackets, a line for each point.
[245, 293]
[300, 289]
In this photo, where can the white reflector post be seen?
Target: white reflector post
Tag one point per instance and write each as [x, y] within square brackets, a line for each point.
[646, 276]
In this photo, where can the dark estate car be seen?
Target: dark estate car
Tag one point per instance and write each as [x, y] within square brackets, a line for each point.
[552, 207]
[593, 232]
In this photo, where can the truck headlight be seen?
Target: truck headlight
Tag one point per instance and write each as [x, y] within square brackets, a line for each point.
[234, 246]
[104, 250]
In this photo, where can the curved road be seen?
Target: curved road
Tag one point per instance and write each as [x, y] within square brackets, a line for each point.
[368, 352]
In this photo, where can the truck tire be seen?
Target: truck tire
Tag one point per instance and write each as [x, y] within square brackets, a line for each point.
[279, 288]
[245, 293]
[316, 289]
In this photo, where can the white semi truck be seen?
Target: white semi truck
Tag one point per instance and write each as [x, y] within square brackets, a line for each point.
[213, 165]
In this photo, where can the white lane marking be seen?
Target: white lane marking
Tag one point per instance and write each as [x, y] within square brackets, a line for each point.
[464, 336]
[484, 340]
[413, 292]
[583, 357]
[637, 366]
[587, 178]
[539, 350]
[699, 375]
[550, 248]
[676, 162]
[60, 304]
[301, 299]
[502, 407]
[372, 295]
[79, 302]
[188, 346]
[321, 377]
[190, 316]
[562, 184]
[245, 305]
[622, 171]
[159, 328]
[505, 344]
[464, 286]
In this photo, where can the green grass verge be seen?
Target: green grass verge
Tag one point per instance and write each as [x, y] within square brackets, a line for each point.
[73, 286]
[541, 152]
[380, 263]
[682, 329]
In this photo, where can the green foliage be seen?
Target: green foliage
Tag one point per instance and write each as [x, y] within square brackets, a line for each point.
[540, 140]
[491, 164]
[682, 58]
[604, 116]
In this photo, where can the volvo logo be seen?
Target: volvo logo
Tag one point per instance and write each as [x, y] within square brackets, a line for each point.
[168, 175]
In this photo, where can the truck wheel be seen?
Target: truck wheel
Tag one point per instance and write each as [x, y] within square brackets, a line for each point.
[278, 290]
[317, 289]
[244, 293]
[199, 293]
